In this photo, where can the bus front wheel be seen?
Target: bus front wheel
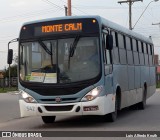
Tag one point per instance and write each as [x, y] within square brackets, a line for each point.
[48, 119]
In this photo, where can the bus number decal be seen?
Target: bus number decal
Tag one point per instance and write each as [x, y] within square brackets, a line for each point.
[30, 108]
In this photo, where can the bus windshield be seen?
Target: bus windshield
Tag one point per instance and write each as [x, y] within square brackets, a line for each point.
[50, 61]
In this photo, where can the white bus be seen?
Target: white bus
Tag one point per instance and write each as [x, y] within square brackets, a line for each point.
[83, 65]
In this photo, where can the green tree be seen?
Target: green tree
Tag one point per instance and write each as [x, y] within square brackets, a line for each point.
[15, 59]
[13, 71]
[13, 68]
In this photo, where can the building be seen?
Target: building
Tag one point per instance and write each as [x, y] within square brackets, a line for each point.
[1, 74]
[156, 59]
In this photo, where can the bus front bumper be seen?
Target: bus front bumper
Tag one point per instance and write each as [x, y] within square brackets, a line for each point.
[99, 106]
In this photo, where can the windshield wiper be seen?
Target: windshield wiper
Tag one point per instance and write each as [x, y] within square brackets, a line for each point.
[47, 50]
[73, 46]
[72, 49]
[44, 47]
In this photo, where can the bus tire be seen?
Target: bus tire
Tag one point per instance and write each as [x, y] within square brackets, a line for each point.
[48, 119]
[142, 104]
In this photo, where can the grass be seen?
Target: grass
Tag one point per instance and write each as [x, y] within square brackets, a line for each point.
[158, 85]
[7, 89]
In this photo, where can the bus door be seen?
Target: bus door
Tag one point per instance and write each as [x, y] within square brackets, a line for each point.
[108, 67]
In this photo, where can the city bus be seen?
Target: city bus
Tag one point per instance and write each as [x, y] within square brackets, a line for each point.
[82, 65]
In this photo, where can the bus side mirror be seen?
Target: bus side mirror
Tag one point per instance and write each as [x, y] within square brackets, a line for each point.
[10, 56]
[109, 42]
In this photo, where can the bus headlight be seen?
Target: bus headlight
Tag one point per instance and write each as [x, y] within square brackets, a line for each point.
[26, 97]
[92, 94]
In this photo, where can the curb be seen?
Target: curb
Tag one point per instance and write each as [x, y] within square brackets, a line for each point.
[13, 92]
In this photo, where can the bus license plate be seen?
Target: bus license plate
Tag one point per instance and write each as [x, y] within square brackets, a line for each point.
[90, 108]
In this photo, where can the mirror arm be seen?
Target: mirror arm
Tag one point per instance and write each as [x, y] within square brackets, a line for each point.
[13, 40]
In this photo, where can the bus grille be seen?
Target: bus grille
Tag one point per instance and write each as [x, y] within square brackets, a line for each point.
[57, 91]
[63, 100]
[59, 108]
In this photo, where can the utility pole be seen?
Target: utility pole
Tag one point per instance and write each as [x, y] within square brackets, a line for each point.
[130, 2]
[69, 8]
[66, 10]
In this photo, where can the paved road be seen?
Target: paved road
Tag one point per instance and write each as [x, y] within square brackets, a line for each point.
[128, 120]
[9, 107]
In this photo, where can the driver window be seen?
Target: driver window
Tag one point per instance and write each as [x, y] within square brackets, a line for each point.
[107, 56]
[107, 53]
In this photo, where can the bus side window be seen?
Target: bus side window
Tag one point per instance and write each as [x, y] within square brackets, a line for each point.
[134, 45]
[122, 49]
[151, 49]
[145, 53]
[121, 41]
[114, 39]
[147, 49]
[135, 53]
[115, 48]
[144, 48]
[150, 55]
[139, 47]
[103, 47]
[129, 50]
[153, 55]
[141, 55]
[128, 43]
[108, 56]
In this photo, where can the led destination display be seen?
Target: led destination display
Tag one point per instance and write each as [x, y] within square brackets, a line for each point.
[49, 28]
[62, 27]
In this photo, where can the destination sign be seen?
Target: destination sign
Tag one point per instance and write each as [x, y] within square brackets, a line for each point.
[62, 27]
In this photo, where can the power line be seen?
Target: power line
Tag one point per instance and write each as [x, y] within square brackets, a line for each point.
[26, 16]
[33, 13]
[6, 36]
[152, 15]
[130, 2]
[51, 3]
[79, 10]
[99, 7]
[144, 11]
[74, 7]
[109, 7]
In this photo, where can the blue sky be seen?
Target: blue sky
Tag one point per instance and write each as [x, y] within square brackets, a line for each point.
[13, 13]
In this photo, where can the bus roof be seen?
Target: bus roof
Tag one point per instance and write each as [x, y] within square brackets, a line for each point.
[124, 30]
[103, 22]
